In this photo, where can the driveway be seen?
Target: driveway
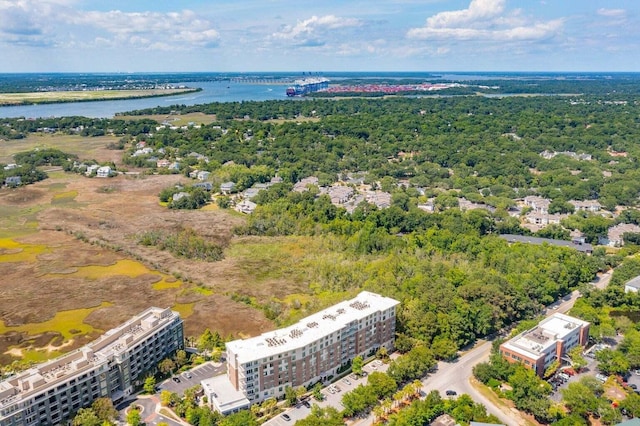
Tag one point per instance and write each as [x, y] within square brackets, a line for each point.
[150, 416]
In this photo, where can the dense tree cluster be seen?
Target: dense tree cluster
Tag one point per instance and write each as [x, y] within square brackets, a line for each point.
[185, 243]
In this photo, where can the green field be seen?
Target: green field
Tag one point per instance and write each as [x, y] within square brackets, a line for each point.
[79, 96]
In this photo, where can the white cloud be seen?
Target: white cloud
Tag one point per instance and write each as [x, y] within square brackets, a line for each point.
[56, 22]
[484, 20]
[314, 28]
[612, 13]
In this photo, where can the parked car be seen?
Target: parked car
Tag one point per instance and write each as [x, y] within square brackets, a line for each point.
[188, 375]
[451, 392]
[286, 417]
[346, 381]
[176, 379]
[306, 404]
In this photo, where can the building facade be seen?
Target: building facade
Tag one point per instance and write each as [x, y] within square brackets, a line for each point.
[111, 366]
[314, 349]
[549, 341]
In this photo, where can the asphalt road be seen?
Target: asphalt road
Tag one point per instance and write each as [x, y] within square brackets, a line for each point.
[455, 375]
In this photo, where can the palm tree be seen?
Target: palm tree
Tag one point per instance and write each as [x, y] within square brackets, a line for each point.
[397, 398]
[378, 412]
[417, 387]
[386, 405]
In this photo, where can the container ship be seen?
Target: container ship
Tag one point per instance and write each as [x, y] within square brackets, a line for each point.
[307, 85]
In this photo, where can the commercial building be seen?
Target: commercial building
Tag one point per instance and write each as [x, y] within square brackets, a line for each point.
[111, 366]
[549, 341]
[313, 350]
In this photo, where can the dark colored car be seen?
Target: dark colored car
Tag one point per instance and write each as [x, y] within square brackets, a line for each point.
[306, 404]
[451, 393]
[176, 379]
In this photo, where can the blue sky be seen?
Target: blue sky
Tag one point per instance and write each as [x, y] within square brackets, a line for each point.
[319, 35]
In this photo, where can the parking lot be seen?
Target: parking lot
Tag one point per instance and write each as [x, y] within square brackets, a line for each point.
[179, 382]
[332, 395]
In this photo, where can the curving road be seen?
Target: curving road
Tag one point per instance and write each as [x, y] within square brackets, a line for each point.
[456, 375]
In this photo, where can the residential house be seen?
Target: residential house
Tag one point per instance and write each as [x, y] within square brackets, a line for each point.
[537, 204]
[428, 207]
[303, 184]
[91, 169]
[633, 285]
[588, 205]
[163, 163]
[227, 187]
[13, 181]
[615, 234]
[142, 151]
[465, 205]
[207, 186]
[180, 195]
[339, 194]
[380, 199]
[246, 206]
[203, 175]
[544, 219]
[103, 172]
[249, 193]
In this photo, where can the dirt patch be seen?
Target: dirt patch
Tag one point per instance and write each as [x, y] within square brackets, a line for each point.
[22, 196]
[99, 229]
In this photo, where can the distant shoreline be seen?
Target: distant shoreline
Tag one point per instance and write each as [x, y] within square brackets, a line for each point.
[39, 98]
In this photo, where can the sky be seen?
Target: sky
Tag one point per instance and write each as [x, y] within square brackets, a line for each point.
[318, 35]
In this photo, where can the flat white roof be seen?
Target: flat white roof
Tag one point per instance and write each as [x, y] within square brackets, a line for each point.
[223, 395]
[311, 328]
[114, 342]
[535, 343]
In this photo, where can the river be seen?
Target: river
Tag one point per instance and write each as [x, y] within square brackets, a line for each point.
[212, 91]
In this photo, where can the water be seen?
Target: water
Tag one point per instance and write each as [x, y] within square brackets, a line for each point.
[223, 89]
[212, 91]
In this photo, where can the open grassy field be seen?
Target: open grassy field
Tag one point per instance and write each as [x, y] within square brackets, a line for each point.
[84, 95]
[175, 119]
[85, 148]
[71, 266]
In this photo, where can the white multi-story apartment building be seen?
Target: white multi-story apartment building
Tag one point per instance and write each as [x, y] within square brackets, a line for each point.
[312, 350]
[50, 393]
[539, 347]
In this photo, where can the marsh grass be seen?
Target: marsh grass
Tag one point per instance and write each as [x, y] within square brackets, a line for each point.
[185, 309]
[14, 251]
[67, 323]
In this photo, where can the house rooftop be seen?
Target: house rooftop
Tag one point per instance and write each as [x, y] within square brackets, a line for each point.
[633, 282]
